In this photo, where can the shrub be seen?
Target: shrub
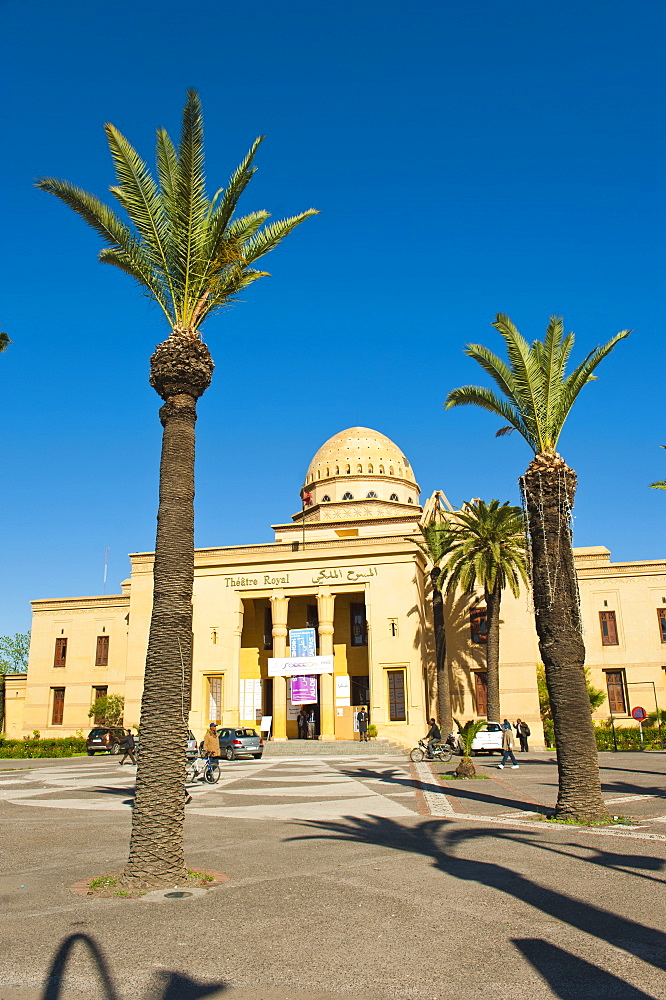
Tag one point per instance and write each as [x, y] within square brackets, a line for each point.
[626, 738]
[29, 747]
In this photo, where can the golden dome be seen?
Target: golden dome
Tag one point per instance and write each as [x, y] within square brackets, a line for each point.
[360, 452]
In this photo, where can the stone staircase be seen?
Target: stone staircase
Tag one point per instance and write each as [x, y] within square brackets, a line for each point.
[334, 748]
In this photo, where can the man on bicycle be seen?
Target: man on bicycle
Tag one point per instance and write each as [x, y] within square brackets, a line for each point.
[433, 736]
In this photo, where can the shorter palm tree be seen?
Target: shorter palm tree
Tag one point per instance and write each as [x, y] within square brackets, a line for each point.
[466, 734]
[488, 549]
[436, 545]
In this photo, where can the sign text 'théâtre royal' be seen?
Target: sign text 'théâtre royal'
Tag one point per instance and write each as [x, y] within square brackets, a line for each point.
[322, 577]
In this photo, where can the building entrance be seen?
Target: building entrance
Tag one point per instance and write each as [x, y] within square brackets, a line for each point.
[303, 708]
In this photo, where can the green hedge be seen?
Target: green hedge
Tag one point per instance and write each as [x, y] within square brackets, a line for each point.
[29, 748]
[628, 739]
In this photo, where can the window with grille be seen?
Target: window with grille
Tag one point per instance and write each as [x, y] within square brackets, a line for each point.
[325, 498]
[661, 617]
[99, 692]
[347, 496]
[60, 653]
[360, 691]
[608, 628]
[481, 691]
[394, 496]
[617, 702]
[478, 624]
[359, 625]
[58, 709]
[396, 691]
[372, 495]
[102, 652]
[214, 699]
[268, 627]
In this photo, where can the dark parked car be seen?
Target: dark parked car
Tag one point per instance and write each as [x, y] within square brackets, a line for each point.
[102, 740]
[240, 743]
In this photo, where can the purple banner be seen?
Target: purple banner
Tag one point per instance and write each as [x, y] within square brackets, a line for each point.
[303, 690]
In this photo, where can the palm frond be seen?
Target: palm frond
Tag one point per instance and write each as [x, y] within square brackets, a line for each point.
[191, 230]
[166, 161]
[583, 374]
[526, 376]
[99, 216]
[659, 485]
[477, 395]
[273, 234]
[134, 263]
[224, 202]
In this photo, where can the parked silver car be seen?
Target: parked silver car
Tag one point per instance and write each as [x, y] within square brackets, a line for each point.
[240, 743]
[488, 739]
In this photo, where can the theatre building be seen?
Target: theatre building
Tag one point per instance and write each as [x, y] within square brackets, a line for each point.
[346, 566]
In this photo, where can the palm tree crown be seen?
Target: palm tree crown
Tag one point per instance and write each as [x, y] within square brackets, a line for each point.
[488, 548]
[186, 250]
[538, 394]
[436, 544]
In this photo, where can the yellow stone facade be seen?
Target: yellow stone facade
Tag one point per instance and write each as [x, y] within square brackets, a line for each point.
[345, 565]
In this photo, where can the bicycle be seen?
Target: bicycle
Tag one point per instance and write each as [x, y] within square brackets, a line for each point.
[439, 751]
[210, 770]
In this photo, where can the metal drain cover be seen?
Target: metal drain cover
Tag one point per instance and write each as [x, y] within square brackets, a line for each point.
[177, 895]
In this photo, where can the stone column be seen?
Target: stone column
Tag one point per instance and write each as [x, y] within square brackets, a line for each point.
[280, 607]
[325, 607]
[232, 679]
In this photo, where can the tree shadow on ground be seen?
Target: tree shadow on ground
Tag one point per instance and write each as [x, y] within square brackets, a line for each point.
[168, 985]
[439, 840]
[572, 978]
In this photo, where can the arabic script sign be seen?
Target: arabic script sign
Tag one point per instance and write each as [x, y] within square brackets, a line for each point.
[287, 666]
[342, 575]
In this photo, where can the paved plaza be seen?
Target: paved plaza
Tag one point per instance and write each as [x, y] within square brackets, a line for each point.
[348, 877]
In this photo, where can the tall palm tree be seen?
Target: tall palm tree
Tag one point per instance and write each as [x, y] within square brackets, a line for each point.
[192, 255]
[660, 484]
[488, 550]
[435, 546]
[535, 398]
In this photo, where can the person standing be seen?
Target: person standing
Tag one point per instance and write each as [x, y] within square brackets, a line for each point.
[523, 731]
[507, 745]
[302, 722]
[363, 718]
[127, 745]
[312, 722]
[211, 743]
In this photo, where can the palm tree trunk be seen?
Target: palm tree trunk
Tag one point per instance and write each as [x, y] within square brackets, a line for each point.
[493, 601]
[181, 370]
[549, 488]
[442, 670]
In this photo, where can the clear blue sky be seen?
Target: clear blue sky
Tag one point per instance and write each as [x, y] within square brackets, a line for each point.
[467, 158]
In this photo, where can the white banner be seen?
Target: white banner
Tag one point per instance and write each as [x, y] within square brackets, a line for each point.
[342, 690]
[285, 666]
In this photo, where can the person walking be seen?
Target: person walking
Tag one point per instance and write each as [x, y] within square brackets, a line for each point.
[523, 731]
[507, 745]
[363, 718]
[127, 745]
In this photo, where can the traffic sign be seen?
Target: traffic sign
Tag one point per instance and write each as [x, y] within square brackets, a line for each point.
[639, 714]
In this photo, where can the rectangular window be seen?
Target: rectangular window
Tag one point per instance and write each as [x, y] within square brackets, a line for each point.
[268, 627]
[58, 709]
[661, 616]
[60, 653]
[396, 690]
[478, 623]
[102, 653]
[481, 686]
[360, 690]
[608, 628]
[99, 692]
[358, 624]
[214, 699]
[615, 687]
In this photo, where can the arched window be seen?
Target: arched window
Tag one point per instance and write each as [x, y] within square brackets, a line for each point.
[394, 496]
[372, 495]
[359, 469]
[348, 469]
[318, 474]
[347, 496]
[409, 500]
[381, 470]
[326, 499]
[369, 470]
[337, 470]
[327, 473]
[400, 471]
[391, 470]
